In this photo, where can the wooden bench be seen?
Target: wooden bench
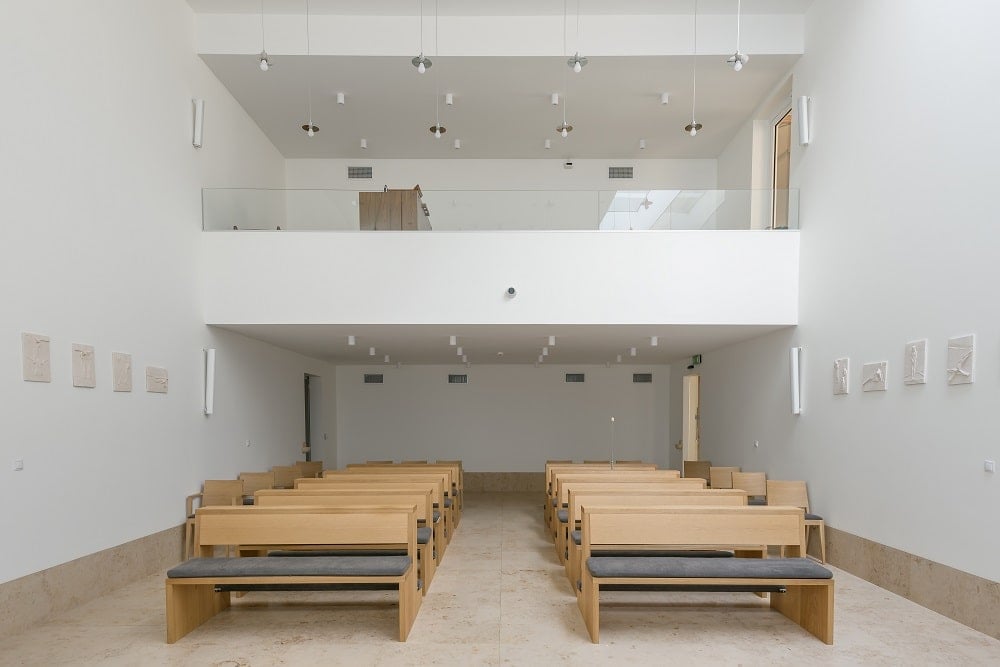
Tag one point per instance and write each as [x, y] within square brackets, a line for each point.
[389, 483]
[559, 481]
[634, 495]
[563, 524]
[337, 496]
[453, 490]
[447, 506]
[553, 470]
[200, 588]
[799, 588]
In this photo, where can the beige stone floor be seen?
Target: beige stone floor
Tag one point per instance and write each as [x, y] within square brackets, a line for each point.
[499, 597]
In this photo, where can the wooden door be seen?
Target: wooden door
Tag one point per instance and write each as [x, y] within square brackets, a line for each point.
[691, 428]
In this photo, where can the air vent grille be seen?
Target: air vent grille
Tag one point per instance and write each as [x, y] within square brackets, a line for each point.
[373, 378]
[454, 378]
[359, 172]
[574, 377]
[642, 377]
[620, 172]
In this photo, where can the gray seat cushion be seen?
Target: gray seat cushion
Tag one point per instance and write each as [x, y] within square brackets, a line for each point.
[813, 517]
[703, 568]
[437, 516]
[248, 500]
[447, 502]
[423, 535]
[757, 501]
[563, 516]
[305, 566]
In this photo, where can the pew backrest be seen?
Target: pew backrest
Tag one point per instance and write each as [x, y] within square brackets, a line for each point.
[350, 497]
[621, 476]
[721, 477]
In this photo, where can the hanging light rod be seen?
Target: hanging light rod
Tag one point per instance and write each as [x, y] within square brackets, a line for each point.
[738, 60]
[265, 62]
[693, 127]
[421, 62]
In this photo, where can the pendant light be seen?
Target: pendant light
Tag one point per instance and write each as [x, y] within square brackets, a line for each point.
[265, 62]
[565, 128]
[309, 128]
[577, 62]
[421, 62]
[437, 129]
[693, 127]
[738, 60]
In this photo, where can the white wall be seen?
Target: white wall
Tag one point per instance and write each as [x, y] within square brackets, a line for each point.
[571, 277]
[899, 242]
[508, 418]
[100, 191]
[459, 174]
[734, 171]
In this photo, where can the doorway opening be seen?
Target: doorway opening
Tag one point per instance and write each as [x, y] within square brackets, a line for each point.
[313, 411]
[780, 170]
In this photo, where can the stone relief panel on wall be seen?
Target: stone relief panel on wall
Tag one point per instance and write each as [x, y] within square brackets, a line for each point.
[915, 362]
[156, 380]
[841, 376]
[35, 356]
[84, 366]
[874, 376]
[961, 359]
[121, 371]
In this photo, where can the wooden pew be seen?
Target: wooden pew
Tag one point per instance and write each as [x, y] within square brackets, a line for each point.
[192, 597]
[451, 490]
[561, 478]
[800, 588]
[335, 496]
[553, 469]
[285, 476]
[435, 482]
[562, 524]
[309, 468]
[213, 492]
[636, 495]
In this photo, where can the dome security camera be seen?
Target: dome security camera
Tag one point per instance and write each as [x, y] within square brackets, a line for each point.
[511, 292]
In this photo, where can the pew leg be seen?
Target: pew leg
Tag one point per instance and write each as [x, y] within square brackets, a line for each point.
[589, 603]
[427, 565]
[409, 603]
[810, 607]
[190, 605]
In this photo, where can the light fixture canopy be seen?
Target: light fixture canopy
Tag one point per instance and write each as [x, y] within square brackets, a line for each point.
[364, 143]
[458, 144]
[422, 63]
[340, 98]
[552, 341]
[449, 99]
[371, 352]
[642, 144]
[452, 340]
[577, 62]
[664, 98]
[654, 341]
[386, 358]
[350, 340]
[459, 352]
[555, 99]
[632, 351]
[737, 61]
[548, 144]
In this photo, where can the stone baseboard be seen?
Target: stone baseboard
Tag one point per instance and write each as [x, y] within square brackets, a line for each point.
[504, 482]
[964, 597]
[36, 597]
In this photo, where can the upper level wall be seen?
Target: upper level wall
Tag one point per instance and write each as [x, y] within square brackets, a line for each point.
[574, 277]
[535, 174]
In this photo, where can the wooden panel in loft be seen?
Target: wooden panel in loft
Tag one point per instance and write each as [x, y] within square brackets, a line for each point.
[393, 210]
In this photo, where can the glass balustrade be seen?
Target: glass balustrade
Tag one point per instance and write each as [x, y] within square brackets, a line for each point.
[243, 209]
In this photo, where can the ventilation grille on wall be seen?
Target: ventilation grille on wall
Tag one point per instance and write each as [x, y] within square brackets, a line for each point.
[373, 378]
[642, 377]
[574, 377]
[620, 172]
[359, 172]
[457, 379]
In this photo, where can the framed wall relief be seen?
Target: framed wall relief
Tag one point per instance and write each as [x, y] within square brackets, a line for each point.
[35, 358]
[915, 362]
[156, 380]
[874, 376]
[84, 366]
[961, 359]
[121, 371]
[841, 376]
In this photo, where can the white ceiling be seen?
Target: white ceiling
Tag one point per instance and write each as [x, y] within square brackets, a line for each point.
[502, 105]
[520, 344]
[496, 7]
